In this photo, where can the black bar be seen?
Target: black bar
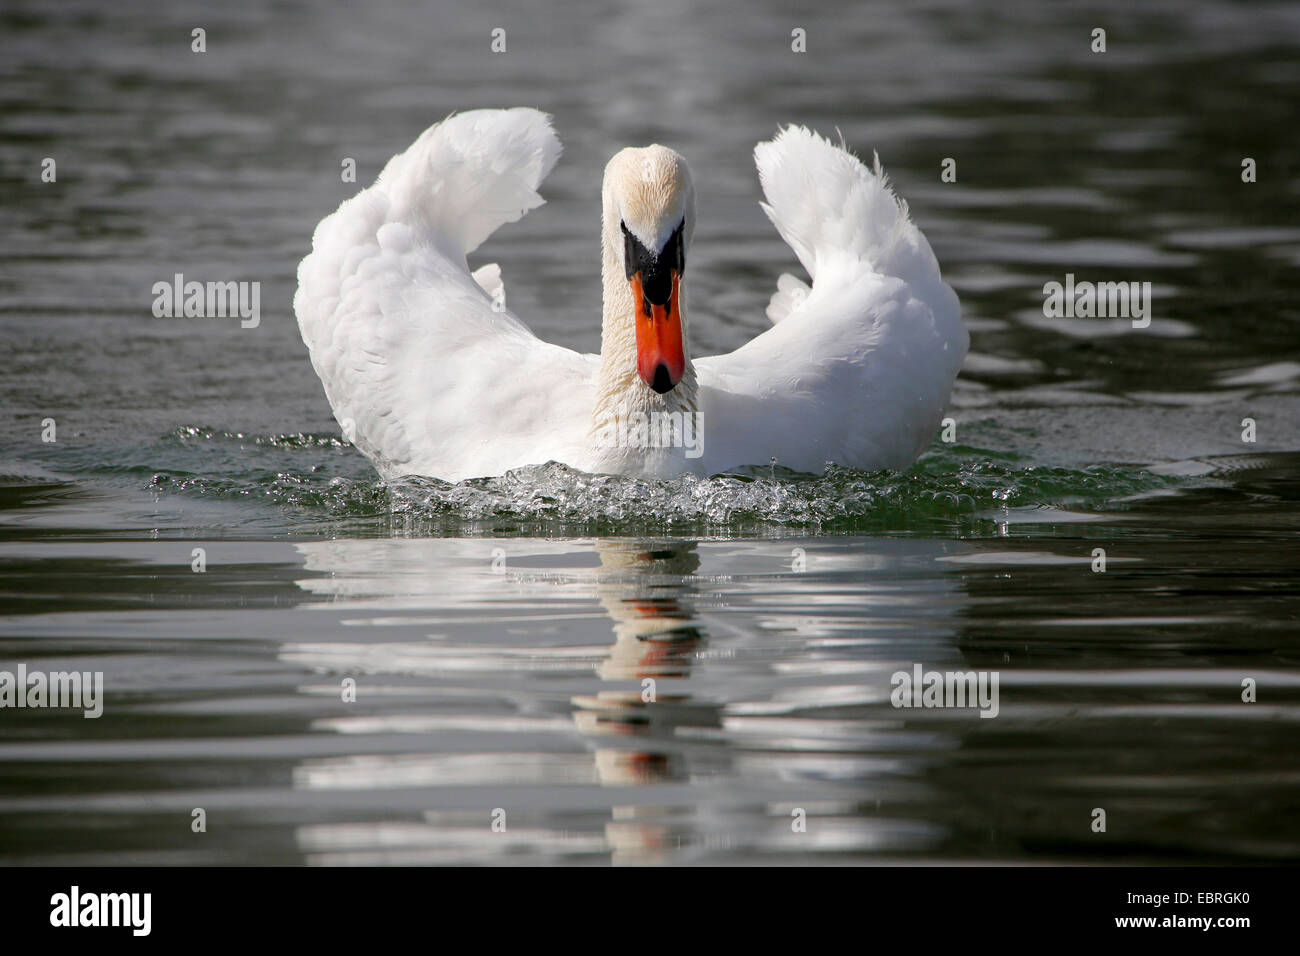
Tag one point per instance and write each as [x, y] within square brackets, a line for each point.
[969, 906]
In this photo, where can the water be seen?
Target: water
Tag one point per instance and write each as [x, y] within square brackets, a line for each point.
[499, 631]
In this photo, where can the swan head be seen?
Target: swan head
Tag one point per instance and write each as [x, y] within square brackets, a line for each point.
[649, 216]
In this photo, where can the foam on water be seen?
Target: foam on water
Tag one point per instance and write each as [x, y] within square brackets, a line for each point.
[949, 485]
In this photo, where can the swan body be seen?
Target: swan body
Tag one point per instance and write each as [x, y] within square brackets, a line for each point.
[429, 373]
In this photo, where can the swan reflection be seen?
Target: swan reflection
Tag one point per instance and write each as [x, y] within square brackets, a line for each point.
[589, 689]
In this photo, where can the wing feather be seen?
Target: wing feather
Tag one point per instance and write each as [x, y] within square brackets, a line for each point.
[425, 368]
[858, 368]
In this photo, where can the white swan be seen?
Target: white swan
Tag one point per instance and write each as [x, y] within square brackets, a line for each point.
[430, 374]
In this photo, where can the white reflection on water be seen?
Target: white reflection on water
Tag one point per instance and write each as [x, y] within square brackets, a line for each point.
[770, 692]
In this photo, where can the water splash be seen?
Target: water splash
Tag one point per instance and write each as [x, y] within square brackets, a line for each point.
[953, 488]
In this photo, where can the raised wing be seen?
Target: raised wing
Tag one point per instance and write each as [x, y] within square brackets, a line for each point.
[857, 369]
[426, 369]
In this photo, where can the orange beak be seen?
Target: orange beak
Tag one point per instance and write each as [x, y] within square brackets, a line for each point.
[660, 356]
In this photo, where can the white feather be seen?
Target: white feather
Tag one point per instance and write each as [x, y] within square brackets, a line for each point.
[423, 374]
[857, 369]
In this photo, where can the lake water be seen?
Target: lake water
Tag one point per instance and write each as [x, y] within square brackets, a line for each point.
[499, 634]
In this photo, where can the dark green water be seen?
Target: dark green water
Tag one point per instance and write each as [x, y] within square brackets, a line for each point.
[499, 632]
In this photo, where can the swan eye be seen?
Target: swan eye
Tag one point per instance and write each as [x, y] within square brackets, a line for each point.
[677, 247]
[634, 254]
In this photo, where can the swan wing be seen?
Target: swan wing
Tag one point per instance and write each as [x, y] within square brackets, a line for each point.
[858, 367]
[426, 369]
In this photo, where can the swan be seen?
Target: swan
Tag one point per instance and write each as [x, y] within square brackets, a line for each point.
[429, 373]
